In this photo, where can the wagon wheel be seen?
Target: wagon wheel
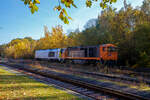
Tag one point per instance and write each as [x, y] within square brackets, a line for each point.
[98, 65]
[62, 61]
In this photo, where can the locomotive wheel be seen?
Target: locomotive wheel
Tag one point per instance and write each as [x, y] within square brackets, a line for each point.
[98, 63]
[102, 61]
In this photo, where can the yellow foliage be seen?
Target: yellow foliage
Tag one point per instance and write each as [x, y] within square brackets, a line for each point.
[55, 39]
[21, 49]
[24, 48]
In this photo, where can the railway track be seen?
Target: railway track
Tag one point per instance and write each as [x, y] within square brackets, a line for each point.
[89, 93]
[83, 86]
[102, 75]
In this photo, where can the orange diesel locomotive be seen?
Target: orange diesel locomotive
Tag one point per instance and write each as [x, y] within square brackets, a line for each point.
[106, 53]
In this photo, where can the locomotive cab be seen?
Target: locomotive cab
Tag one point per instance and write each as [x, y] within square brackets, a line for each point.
[108, 52]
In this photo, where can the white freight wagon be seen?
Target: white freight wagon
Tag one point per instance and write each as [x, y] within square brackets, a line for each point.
[49, 54]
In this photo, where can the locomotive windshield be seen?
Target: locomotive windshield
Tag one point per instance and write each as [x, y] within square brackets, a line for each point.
[112, 49]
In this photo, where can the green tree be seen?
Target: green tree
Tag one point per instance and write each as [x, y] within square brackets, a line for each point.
[128, 28]
[2, 49]
[146, 7]
[144, 60]
[74, 39]
[141, 38]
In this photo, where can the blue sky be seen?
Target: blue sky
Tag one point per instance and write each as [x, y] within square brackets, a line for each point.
[16, 20]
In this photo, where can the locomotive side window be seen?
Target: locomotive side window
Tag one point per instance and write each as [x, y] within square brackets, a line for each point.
[112, 49]
[51, 54]
[92, 52]
[104, 48]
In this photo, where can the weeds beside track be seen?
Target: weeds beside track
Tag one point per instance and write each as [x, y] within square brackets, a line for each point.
[81, 82]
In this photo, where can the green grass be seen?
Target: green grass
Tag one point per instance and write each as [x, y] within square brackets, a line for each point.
[20, 87]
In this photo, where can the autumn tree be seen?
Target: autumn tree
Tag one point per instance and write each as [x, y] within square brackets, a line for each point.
[20, 48]
[54, 39]
[44, 42]
[128, 29]
[58, 38]
[63, 4]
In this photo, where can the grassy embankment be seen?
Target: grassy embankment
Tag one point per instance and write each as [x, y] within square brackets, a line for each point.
[20, 87]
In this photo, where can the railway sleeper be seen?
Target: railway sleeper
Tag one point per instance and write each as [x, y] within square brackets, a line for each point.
[118, 93]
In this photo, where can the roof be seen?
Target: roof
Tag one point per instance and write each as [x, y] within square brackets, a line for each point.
[50, 49]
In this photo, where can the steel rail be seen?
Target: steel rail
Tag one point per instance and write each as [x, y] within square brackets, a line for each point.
[117, 93]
